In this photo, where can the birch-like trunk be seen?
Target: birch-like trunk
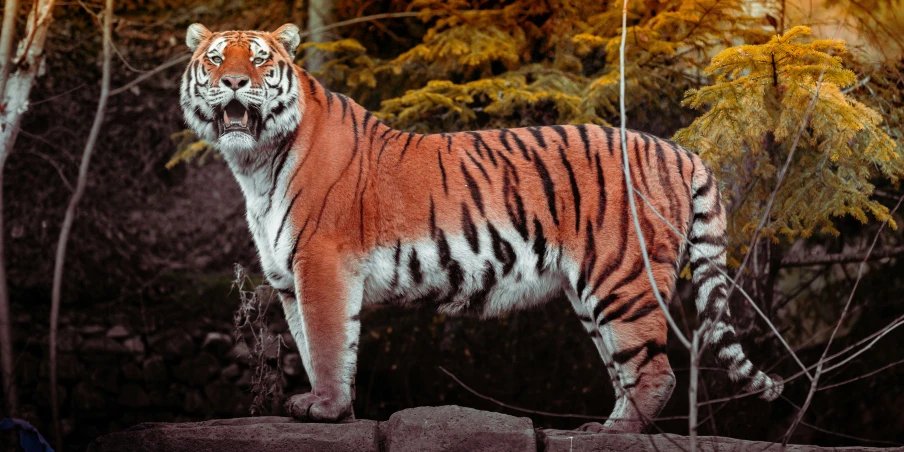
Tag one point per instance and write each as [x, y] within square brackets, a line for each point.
[320, 14]
[16, 79]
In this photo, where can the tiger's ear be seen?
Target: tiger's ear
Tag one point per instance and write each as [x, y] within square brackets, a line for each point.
[288, 36]
[195, 35]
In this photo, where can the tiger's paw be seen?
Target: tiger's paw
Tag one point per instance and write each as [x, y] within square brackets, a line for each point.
[313, 408]
[596, 427]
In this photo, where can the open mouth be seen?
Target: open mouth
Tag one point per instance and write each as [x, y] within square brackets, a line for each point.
[234, 117]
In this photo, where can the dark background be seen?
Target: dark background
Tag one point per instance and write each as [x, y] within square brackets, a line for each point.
[150, 299]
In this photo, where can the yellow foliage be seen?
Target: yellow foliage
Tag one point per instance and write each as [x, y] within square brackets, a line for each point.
[765, 99]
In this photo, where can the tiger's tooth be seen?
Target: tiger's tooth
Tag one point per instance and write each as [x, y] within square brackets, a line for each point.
[245, 119]
[226, 117]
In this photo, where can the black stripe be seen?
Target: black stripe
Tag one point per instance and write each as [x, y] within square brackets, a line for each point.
[575, 193]
[602, 304]
[539, 246]
[294, 251]
[405, 148]
[480, 167]
[521, 145]
[516, 215]
[395, 269]
[549, 187]
[312, 85]
[704, 190]
[709, 240]
[329, 100]
[479, 140]
[666, 173]
[434, 231]
[344, 101]
[414, 266]
[616, 313]
[473, 188]
[442, 170]
[652, 347]
[282, 224]
[582, 131]
[563, 134]
[510, 167]
[505, 143]
[601, 183]
[453, 269]
[589, 259]
[502, 250]
[467, 224]
[538, 135]
[609, 132]
[475, 136]
[641, 312]
[477, 301]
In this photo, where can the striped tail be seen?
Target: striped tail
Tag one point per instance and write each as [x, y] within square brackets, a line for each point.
[707, 260]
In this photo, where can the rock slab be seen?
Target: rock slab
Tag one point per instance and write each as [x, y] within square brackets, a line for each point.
[425, 429]
[244, 434]
[572, 441]
[454, 428]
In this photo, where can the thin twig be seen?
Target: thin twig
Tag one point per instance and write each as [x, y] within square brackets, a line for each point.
[843, 435]
[841, 258]
[847, 305]
[626, 168]
[835, 385]
[730, 279]
[187, 56]
[70, 218]
[542, 413]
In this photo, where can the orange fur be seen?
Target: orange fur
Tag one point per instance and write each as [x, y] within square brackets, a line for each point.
[359, 188]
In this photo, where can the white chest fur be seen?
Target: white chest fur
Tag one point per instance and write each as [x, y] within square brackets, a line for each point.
[269, 222]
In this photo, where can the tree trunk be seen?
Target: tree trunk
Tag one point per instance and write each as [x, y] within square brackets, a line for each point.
[320, 14]
[16, 78]
[70, 218]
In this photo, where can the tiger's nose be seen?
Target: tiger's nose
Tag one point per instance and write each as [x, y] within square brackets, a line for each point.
[235, 81]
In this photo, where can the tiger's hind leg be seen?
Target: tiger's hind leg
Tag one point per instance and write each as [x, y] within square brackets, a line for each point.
[630, 333]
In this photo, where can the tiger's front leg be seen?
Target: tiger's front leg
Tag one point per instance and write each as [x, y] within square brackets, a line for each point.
[329, 302]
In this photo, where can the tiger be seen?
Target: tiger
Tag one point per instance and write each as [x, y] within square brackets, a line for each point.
[345, 210]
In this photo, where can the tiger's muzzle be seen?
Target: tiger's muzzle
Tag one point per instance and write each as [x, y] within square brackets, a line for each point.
[235, 117]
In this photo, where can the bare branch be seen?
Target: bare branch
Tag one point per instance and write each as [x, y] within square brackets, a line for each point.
[187, 56]
[542, 413]
[626, 167]
[70, 218]
[847, 305]
[841, 258]
[870, 374]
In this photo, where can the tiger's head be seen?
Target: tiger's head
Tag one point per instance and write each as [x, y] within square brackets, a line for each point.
[240, 91]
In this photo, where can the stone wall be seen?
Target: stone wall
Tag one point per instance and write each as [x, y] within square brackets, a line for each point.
[445, 428]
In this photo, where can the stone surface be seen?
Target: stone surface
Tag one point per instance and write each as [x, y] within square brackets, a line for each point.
[455, 428]
[101, 345]
[155, 370]
[118, 332]
[173, 344]
[244, 434]
[217, 343]
[447, 428]
[132, 395]
[571, 441]
[134, 345]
